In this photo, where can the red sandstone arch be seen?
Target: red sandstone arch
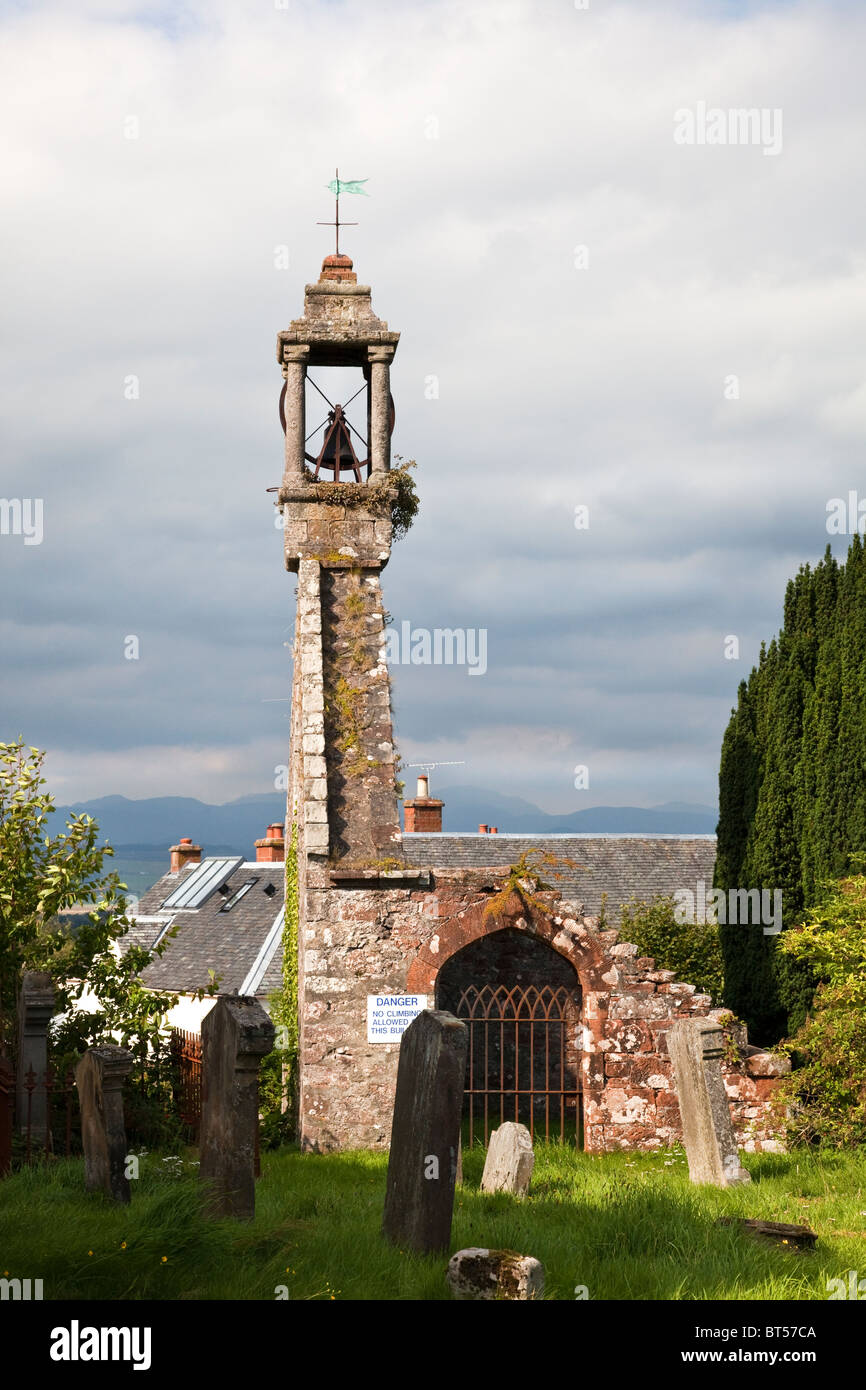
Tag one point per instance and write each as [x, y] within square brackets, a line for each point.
[568, 936]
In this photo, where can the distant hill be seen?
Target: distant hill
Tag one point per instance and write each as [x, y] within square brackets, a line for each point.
[160, 821]
[138, 828]
[468, 807]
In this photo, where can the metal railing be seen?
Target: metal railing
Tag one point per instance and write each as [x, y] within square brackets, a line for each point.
[523, 1062]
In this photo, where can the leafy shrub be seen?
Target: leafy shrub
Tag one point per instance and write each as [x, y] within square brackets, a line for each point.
[692, 951]
[826, 1092]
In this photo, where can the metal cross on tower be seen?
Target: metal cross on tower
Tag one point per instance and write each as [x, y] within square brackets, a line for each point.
[336, 188]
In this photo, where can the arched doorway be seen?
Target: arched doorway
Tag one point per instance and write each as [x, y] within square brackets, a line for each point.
[520, 1000]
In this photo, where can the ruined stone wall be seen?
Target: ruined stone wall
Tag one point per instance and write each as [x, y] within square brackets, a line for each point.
[368, 934]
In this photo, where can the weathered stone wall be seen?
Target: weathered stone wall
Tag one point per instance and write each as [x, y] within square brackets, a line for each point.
[364, 936]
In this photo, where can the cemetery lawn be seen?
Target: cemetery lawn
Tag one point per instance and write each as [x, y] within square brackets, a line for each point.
[626, 1226]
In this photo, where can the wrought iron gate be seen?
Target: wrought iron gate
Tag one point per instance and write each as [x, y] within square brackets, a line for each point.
[523, 1062]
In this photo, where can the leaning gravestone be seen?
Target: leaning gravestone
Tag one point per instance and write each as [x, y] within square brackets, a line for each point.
[235, 1036]
[35, 1010]
[99, 1077]
[477, 1274]
[425, 1134]
[696, 1047]
[510, 1160]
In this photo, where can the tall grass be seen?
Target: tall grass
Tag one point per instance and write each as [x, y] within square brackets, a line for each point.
[625, 1226]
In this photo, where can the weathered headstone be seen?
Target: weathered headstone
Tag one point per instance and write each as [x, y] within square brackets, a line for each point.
[235, 1036]
[99, 1077]
[696, 1047]
[510, 1160]
[780, 1232]
[476, 1274]
[425, 1135]
[34, 1017]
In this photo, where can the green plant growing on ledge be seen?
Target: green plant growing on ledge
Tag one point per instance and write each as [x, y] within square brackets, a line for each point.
[405, 501]
[826, 1093]
[393, 494]
[524, 878]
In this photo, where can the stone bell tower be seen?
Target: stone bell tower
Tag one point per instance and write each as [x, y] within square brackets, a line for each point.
[337, 505]
[338, 532]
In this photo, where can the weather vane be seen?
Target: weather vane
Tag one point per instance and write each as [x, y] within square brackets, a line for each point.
[338, 186]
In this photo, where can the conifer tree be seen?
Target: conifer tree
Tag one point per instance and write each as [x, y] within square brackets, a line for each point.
[792, 789]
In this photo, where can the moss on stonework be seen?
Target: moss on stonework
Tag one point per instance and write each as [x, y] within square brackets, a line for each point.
[393, 495]
[380, 866]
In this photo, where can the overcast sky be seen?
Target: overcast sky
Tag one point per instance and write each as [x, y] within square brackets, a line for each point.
[155, 160]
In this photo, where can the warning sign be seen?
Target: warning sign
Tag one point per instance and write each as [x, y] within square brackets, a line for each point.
[389, 1015]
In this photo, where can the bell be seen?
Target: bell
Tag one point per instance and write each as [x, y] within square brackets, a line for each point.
[337, 450]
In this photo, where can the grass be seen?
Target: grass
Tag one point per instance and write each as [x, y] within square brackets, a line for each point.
[627, 1226]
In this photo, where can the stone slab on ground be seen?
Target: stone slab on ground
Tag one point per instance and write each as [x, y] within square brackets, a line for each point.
[477, 1274]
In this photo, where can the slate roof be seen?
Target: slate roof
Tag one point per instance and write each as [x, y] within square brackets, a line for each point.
[229, 943]
[623, 866]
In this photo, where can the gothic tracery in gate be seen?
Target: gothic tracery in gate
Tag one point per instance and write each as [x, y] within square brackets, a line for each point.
[521, 1004]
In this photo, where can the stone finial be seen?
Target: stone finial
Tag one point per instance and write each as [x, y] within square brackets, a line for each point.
[99, 1077]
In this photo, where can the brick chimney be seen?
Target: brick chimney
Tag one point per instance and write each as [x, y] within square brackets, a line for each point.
[423, 814]
[185, 852]
[272, 849]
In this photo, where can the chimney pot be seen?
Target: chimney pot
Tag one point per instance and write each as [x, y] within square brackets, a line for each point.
[494, 830]
[423, 814]
[423, 786]
[272, 849]
[184, 852]
[482, 830]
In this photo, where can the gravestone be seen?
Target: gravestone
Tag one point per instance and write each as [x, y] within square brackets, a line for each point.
[510, 1160]
[99, 1077]
[779, 1232]
[235, 1036]
[477, 1274]
[696, 1048]
[34, 1017]
[425, 1134]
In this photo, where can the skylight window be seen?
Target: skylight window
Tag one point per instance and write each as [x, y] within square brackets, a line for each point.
[236, 897]
[210, 875]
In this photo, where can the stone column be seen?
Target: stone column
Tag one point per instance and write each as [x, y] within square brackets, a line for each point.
[7, 1105]
[295, 371]
[99, 1077]
[235, 1035]
[380, 409]
[696, 1048]
[35, 1010]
